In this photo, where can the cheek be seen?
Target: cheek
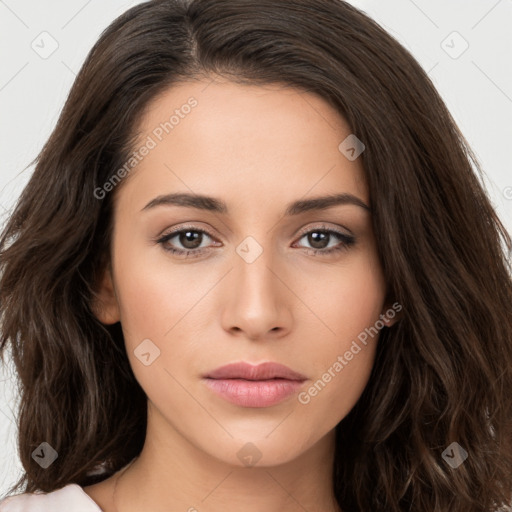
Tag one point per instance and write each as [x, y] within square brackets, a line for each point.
[154, 300]
[348, 299]
[336, 388]
[153, 294]
[152, 309]
[342, 370]
[350, 306]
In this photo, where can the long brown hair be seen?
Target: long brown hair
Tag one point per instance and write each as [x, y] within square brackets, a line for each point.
[442, 374]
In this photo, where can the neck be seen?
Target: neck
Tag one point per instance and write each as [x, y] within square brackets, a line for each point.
[170, 475]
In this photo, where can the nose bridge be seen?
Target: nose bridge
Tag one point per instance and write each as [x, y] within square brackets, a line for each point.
[257, 297]
[253, 266]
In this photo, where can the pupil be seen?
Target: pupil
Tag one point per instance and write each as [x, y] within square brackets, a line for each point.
[314, 239]
[189, 239]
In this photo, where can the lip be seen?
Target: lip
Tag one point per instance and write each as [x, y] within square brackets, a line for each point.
[247, 371]
[247, 385]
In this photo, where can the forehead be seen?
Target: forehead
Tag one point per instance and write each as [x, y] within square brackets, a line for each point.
[271, 144]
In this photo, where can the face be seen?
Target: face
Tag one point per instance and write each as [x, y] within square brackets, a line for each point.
[246, 275]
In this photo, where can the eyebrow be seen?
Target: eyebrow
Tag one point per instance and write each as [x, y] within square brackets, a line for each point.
[215, 205]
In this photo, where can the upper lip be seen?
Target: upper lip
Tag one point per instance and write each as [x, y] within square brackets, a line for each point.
[263, 371]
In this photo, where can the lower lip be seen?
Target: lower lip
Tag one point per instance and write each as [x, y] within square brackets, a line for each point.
[254, 393]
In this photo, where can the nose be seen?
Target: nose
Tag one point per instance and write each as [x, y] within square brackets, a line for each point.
[259, 302]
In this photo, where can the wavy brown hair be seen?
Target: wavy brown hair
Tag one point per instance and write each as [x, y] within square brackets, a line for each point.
[443, 373]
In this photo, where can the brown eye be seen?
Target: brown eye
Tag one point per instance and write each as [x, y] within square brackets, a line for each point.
[190, 239]
[319, 240]
[185, 241]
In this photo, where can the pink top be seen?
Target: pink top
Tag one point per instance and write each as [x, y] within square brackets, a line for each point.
[69, 498]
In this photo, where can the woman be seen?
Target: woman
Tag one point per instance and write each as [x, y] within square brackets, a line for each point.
[254, 268]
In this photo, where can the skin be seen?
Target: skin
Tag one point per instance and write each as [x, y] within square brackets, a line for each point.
[257, 149]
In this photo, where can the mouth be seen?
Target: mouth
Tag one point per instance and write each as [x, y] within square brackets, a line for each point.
[246, 385]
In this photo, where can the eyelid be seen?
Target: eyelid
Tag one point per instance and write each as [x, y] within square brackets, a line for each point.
[183, 227]
[324, 227]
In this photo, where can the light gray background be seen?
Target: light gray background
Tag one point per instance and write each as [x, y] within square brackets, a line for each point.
[476, 85]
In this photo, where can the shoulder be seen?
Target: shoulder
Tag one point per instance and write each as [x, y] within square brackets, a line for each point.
[70, 497]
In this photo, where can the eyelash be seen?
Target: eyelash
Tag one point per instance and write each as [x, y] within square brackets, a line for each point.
[346, 242]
